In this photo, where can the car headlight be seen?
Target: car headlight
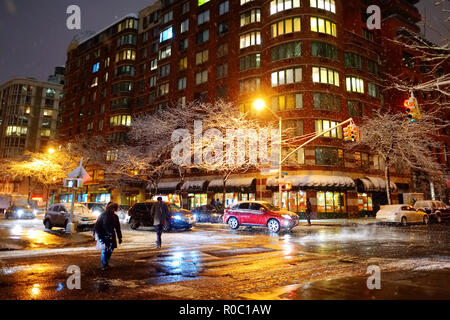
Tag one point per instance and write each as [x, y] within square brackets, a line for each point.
[19, 213]
[195, 216]
[286, 216]
[177, 217]
[96, 213]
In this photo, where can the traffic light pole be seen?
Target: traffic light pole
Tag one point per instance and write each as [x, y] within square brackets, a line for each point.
[350, 120]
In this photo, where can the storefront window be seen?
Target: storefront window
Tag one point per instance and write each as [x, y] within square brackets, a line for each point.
[234, 197]
[293, 200]
[103, 197]
[331, 202]
[172, 198]
[364, 202]
[197, 200]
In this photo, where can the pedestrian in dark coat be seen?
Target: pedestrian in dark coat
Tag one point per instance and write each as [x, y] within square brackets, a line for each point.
[105, 230]
[308, 211]
[160, 213]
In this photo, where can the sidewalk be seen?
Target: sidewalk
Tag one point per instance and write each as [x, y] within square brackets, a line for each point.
[341, 222]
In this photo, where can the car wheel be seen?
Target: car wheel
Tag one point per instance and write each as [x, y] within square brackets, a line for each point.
[134, 224]
[48, 225]
[404, 221]
[233, 223]
[166, 228]
[426, 219]
[273, 225]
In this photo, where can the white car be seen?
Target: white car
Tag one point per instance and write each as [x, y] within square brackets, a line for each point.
[58, 216]
[401, 213]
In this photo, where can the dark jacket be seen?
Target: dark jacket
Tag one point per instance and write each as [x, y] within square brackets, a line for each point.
[308, 207]
[106, 228]
[160, 213]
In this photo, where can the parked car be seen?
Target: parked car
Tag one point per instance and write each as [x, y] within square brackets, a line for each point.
[208, 213]
[20, 212]
[436, 209]
[401, 213]
[97, 208]
[259, 213]
[140, 214]
[58, 215]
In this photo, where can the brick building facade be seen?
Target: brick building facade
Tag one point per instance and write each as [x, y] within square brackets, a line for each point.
[314, 62]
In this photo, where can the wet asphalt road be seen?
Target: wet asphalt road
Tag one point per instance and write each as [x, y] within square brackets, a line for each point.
[213, 262]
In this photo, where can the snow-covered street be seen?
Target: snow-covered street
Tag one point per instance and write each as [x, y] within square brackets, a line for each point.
[212, 262]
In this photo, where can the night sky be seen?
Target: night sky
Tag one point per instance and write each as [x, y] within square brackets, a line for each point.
[34, 36]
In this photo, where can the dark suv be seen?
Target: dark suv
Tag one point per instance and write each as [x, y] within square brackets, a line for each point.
[140, 214]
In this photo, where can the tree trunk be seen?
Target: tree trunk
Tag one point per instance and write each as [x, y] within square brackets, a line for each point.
[46, 199]
[224, 190]
[387, 174]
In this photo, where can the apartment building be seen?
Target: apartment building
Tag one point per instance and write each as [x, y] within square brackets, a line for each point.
[314, 62]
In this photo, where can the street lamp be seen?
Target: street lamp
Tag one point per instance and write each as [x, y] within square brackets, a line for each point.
[260, 104]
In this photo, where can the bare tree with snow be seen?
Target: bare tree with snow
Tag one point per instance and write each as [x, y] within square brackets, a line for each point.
[398, 140]
[151, 147]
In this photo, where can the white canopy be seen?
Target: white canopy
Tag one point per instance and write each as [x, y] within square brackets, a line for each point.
[314, 181]
[375, 184]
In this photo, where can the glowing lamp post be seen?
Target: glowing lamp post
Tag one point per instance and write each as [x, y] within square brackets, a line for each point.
[259, 105]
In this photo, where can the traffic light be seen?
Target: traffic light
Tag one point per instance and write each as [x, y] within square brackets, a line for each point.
[412, 108]
[348, 133]
[354, 132]
[351, 133]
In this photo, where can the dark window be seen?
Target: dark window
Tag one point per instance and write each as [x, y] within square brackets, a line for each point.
[244, 206]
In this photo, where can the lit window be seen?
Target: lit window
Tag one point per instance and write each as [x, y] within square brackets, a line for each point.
[325, 75]
[286, 76]
[166, 34]
[286, 26]
[281, 5]
[355, 84]
[328, 5]
[201, 77]
[250, 39]
[96, 67]
[323, 26]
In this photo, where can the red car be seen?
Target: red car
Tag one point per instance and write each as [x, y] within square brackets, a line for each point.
[261, 214]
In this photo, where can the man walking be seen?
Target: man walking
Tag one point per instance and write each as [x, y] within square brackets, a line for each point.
[105, 230]
[308, 211]
[160, 213]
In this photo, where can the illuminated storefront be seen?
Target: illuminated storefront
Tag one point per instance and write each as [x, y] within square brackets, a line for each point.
[170, 192]
[330, 193]
[195, 192]
[365, 203]
[292, 200]
[330, 203]
[237, 189]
